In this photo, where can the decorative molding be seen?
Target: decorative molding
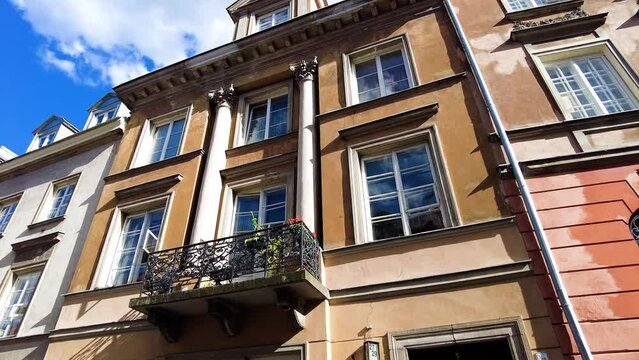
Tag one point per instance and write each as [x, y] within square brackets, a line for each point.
[40, 241]
[573, 23]
[389, 99]
[92, 331]
[453, 280]
[305, 70]
[154, 166]
[155, 186]
[263, 165]
[261, 145]
[389, 122]
[224, 96]
[544, 10]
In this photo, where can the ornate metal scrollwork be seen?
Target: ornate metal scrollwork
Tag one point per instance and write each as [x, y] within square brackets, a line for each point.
[634, 226]
[263, 253]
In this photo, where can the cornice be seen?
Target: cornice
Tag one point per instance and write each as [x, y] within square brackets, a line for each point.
[573, 23]
[60, 150]
[260, 165]
[221, 62]
[421, 113]
[154, 166]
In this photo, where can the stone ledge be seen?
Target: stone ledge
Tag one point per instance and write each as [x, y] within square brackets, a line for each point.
[46, 222]
[154, 166]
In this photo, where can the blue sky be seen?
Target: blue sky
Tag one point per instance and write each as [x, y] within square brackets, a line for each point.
[61, 56]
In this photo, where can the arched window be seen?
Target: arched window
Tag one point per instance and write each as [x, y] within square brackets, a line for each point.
[634, 225]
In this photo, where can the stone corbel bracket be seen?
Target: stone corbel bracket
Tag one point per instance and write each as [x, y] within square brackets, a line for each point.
[229, 315]
[573, 23]
[170, 325]
[293, 305]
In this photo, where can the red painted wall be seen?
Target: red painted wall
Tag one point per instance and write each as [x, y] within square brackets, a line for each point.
[585, 215]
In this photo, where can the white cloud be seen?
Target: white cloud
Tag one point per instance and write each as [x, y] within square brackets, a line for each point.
[66, 66]
[111, 41]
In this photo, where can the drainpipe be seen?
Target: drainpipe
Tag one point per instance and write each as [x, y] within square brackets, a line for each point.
[555, 277]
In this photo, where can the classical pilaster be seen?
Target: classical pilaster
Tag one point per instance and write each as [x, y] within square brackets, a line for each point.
[205, 224]
[305, 72]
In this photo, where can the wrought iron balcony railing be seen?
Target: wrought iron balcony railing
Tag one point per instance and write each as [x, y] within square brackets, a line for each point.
[263, 253]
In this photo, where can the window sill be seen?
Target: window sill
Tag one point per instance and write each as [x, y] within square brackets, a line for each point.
[544, 10]
[46, 222]
[111, 289]
[558, 28]
[260, 144]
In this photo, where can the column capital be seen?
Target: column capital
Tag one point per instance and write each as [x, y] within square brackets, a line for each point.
[305, 70]
[224, 96]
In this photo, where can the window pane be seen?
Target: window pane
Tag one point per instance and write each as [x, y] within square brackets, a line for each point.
[61, 201]
[247, 213]
[175, 137]
[610, 91]
[394, 71]
[5, 215]
[367, 81]
[379, 166]
[278, 122]
[257, 123]
[426, 221]
[384, 206]
[420, 198]
[275, 197]
[383, 185]
[387, 229]
[412, 157]
[265, 22]
[281, 16]
[159, 139]
[275, 215]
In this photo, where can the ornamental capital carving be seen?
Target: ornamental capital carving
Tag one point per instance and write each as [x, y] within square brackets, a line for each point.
[305, 70]
[224, 96]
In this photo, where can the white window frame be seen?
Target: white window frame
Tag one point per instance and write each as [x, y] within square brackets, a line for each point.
[284, 178]
[272, 16]
[535, 4]
[48, 201]
[144, 148]
[5, 202]
[254, 25]
[116, 228]
[106, 111]
[359, 192]
[49, 138]
[602, 47]
[7, 289]
[374, 51]
[244, 109]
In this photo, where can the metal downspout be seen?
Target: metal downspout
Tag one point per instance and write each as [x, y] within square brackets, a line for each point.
[555, 277]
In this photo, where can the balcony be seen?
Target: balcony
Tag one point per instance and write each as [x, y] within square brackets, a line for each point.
[275, 266]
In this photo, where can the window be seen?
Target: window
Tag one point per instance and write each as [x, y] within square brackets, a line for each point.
[6, 212]
[45, 139]
[61, 198]
[275, 18]
[588, 79]
[166, 140]
[104, 116]
[138, 239]
[267, 119]
[401, 193]
[634, 226]
[262, 209]
[516, 5]
[17, 303]
[162, 138]
[379, 71]
[589, 86]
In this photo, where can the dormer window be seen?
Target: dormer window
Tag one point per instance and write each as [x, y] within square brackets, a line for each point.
[45, 139]
[273, 18]
[104, 116]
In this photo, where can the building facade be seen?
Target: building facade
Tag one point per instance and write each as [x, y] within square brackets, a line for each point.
[563, 76]
[323, 187]
[47, 198]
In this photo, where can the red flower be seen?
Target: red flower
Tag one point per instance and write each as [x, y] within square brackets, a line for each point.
[314, 234]
[294, 220]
